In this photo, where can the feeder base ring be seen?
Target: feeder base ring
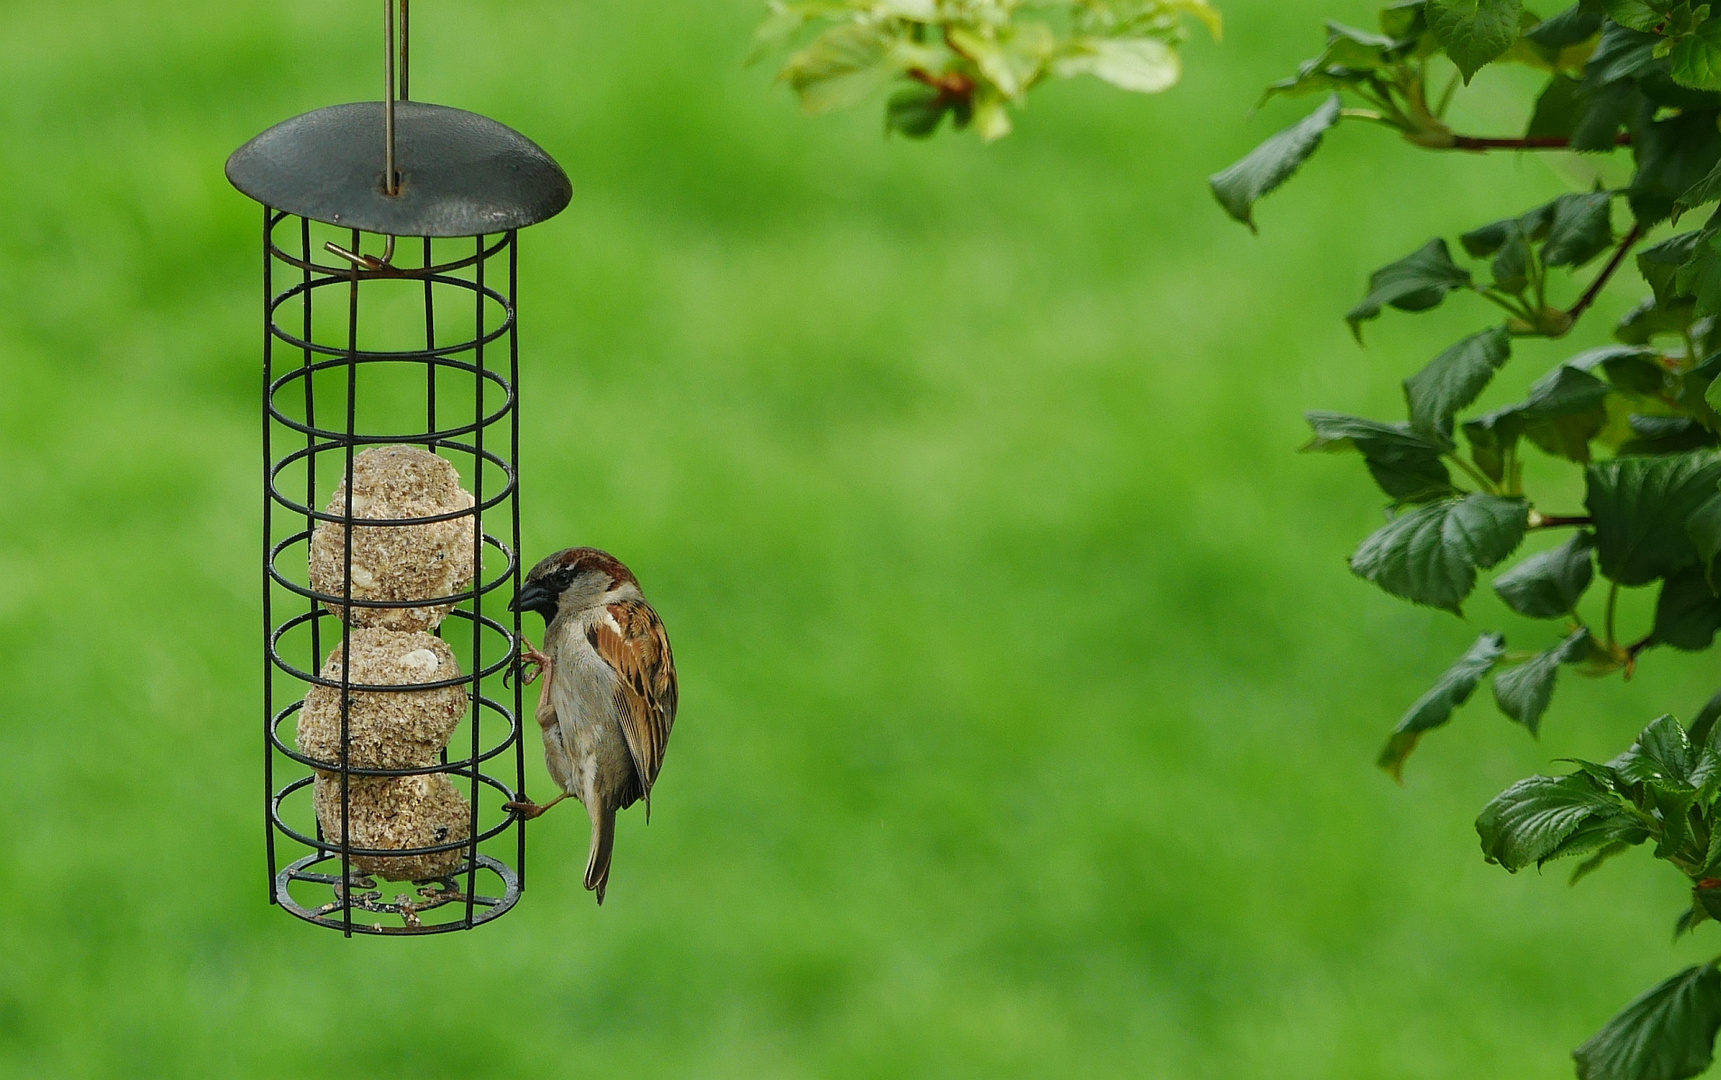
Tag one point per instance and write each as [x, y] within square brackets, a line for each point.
[431, 894]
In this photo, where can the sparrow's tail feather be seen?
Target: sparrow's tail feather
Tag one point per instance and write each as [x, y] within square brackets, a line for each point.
[603, 843]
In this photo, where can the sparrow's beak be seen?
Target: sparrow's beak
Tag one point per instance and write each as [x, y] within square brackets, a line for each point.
[532, 597]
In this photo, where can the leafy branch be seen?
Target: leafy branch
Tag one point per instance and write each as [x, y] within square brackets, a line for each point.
[1601, 279]
[971, 60]
[1638, 417]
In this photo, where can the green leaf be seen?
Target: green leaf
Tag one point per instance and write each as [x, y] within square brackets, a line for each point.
[1511, 267]
[1666, 1033]
[1602, 833]
[1703, 525]
[1405, 21]
[1454, 379]
[1603, 775]
[841, 67]
[777, 28]
[1573, 26]
[1527, 823]
[1492, 437]
[1640, 507]
[1607, 106]
[992, 60]
[1351, 57]
[1673, 155]
[1673, 806]
[1594, 862]
[1631, 368]
[1659, 263]
[1706, 190]
[1652, 317]
[1635, 14]
[1661, 753]
[1474, 32]
[1416, 282]
[1145, 65]
[1430, 555]
[1348, 47]
[1559, 109]
[1697, 58]
[1692, 917]
[1550, 584]
[1241, 186]
[1435, 707]
[1581, 229]
[991, 118]
[1700, 277]
[1523, 692]
[1687, 613]
[1623, 53]
[1564, 412]
[1405, 463]
[915, 111]
[1659, 435]
[1704, 904]
[1532, 225]
[1702, 732]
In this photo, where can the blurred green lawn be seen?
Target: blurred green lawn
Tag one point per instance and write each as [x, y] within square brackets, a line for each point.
[1028, 708]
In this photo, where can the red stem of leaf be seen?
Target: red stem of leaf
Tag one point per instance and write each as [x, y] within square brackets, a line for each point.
[954, 84]
[1528, 142]
[1555, 522]
[1595, 288]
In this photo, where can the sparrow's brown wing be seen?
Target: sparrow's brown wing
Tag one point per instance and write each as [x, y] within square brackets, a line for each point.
[632, 642]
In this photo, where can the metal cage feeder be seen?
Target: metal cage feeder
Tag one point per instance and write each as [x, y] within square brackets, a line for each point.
[414, 346]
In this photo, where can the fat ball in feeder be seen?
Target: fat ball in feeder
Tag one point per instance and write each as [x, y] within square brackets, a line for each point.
[402, 562]
[404, 729]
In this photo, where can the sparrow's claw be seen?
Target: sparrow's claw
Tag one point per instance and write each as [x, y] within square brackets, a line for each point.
[527, 809]
[528, 655]
[534, 656]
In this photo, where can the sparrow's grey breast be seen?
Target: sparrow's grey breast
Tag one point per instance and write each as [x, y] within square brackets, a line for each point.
[595, 764]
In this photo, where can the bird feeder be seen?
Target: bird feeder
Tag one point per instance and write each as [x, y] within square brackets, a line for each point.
[391, 514]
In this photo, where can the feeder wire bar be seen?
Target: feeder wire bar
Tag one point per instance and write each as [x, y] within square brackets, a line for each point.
[268, 616]
[477, 561]
[347, 595]
[514, 506]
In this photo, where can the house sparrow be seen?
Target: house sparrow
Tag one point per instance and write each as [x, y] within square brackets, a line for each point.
[608, 697]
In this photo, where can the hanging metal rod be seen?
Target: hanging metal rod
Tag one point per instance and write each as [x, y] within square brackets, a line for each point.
[391, 182]
[394, 81]
[404, 54]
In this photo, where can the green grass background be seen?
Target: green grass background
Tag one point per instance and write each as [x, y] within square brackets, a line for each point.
[1028, 707]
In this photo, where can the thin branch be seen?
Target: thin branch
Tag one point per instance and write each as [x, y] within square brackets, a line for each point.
[1474, 473]
[955, 84]
[1446, 95]
[1527, 142]
[1631, 652]
[1612, 607]
[1595, 288]
[1505, 302]
[1543, 521]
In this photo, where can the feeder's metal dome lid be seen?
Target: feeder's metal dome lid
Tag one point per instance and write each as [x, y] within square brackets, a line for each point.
[461, 174]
